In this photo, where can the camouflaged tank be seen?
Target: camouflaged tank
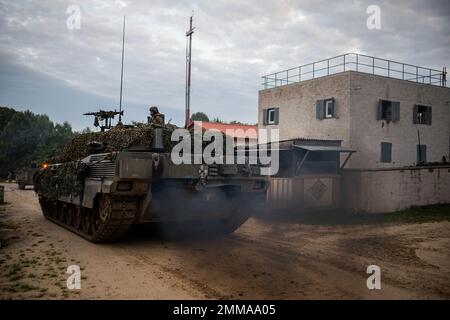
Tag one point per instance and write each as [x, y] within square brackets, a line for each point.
[25, 176]
[105, 182]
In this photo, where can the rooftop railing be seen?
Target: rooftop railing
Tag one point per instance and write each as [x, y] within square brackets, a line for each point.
[356, 62]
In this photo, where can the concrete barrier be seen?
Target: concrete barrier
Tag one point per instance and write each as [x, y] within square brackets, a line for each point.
[387, 190]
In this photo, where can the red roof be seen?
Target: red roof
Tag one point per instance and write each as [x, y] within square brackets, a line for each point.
[238, 130]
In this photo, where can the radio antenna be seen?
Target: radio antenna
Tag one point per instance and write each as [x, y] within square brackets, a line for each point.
[121, 73]
[188, 72]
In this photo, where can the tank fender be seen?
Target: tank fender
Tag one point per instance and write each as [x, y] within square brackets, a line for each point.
[91, 189]
[107, 186]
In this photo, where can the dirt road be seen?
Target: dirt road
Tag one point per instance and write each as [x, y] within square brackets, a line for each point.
[263, 260]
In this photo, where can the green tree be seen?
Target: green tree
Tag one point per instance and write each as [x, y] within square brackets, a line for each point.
[199, 116]
[26, 137]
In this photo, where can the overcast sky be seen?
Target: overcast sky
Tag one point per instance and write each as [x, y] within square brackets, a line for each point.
[47, 68]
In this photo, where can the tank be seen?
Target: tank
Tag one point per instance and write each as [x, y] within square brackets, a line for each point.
[106, 182]
[25, 176]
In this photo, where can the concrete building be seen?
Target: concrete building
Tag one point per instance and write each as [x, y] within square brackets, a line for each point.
[392, 114]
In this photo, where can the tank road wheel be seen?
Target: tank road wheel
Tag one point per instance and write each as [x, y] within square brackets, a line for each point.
[77, 217]
[69, 214]
[86, 221]
[45, 206]
[53, 208]
[108, 221]
[105, 208]
[113, 217]
[103, 213]
[60, 207]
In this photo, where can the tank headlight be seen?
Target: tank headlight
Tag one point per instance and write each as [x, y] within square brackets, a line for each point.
[124, 185]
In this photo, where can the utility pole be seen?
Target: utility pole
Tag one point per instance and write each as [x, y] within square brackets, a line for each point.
[188, 72]
[121, 73]
[444, 77]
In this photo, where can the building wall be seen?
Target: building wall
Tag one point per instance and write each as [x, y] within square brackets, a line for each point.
[297, 108]
[367, 133]
[357, 96]
[388, 190]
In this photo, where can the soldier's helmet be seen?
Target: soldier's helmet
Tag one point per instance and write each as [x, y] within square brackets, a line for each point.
[154, 110]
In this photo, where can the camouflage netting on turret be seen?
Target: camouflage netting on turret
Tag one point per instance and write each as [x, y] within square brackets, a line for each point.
[116, 139]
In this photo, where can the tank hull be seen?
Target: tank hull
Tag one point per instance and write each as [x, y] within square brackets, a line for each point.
[103, 195]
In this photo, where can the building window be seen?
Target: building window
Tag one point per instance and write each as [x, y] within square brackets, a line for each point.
[271, 116]
[422, 114]
[386, 152]
[388, 110]
[329, 108]
[325, 109]
[421, 153]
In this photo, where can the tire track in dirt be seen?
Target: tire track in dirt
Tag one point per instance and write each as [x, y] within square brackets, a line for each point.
[262, 260]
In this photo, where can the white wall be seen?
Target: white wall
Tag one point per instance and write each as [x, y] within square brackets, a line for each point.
[387, 190]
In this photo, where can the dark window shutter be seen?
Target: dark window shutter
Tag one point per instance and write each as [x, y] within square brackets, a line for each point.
[424, 153]
[421, 153]
[429, 115]
[277, 116]
[386, 152]
[380, 110]
[395, 111]
[415, 114]
[320, 110]
[265, 116]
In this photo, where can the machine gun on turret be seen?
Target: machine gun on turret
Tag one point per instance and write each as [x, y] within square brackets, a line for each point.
[103, 118]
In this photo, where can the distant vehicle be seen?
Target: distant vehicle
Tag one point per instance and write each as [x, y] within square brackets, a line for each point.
[100, 195]
[25, 176]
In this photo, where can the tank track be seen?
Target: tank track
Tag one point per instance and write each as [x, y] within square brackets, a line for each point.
[108, 221]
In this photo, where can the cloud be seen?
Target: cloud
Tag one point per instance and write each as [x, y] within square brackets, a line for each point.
[235, 43]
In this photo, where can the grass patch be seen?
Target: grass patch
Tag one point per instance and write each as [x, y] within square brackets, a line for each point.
[423, 214]
[7, 226]
[26, 287]
[14, 270]
[15, 278]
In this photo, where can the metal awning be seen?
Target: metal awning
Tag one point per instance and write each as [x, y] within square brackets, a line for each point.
[325, 148]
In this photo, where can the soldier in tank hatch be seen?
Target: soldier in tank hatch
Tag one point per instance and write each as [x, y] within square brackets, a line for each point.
[155, 116]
